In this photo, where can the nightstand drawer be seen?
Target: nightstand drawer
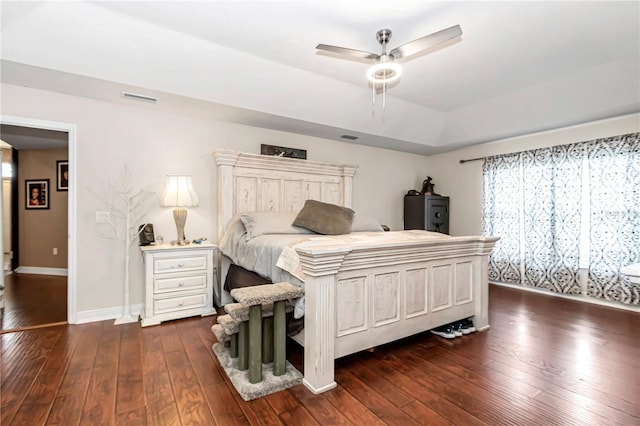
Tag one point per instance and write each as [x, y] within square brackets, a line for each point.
[181, 282]
[179, 264]
[161, 306]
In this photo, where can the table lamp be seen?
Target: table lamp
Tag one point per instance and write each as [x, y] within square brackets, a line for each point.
[179, 193]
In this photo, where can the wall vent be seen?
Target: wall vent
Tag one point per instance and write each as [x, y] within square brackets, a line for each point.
[137, 97]
[350, 137]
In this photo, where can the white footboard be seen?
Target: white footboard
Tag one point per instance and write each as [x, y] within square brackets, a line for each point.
[360, 297]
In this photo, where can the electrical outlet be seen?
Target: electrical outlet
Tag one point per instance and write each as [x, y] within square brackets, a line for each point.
[55, 251]
[102, 217]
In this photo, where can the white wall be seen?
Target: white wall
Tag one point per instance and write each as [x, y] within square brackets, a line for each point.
[463, 182]
[154, 143]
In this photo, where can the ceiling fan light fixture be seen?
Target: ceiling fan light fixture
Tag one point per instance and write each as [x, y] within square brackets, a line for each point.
[384, 72]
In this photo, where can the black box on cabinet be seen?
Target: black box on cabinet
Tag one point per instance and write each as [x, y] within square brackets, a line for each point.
[428, 212]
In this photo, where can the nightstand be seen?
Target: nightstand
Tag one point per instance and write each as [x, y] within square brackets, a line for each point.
[178, 281]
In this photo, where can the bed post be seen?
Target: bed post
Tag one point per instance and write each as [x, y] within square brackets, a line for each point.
[225, 161]
[347, 174]
[320, 271]
[481, 296]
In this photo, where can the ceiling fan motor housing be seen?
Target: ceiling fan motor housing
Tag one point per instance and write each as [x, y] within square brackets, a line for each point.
[383, 36]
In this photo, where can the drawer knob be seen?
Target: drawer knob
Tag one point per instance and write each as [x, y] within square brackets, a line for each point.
[180, 284]
[181, 303]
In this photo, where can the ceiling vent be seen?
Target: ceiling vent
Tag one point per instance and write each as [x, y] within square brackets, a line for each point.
[137, 97]
[350, 137]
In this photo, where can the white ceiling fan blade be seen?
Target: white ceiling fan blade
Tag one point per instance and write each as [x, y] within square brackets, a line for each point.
[348, 52]
[426, 42]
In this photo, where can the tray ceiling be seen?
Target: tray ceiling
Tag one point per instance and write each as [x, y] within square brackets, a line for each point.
[518, 68]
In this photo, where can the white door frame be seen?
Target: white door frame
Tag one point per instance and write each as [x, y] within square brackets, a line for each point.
[72, 205]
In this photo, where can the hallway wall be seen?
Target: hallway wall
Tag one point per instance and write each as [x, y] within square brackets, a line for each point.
[42, 230]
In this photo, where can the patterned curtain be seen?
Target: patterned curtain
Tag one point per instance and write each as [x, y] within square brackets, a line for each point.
[552, 199]
[614, 180]
[501, 216]
[535, 201]
[532, 202]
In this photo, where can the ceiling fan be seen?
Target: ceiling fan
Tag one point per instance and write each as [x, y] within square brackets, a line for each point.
[386, 70]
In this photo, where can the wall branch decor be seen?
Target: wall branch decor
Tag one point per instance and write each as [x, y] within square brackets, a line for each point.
[127, 208]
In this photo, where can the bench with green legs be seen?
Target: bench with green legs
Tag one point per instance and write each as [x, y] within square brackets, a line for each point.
[249, 342]
[232, 330]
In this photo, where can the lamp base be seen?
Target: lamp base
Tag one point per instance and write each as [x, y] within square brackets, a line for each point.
[180, 217]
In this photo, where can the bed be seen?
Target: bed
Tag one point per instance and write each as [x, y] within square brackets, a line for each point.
[359, 292]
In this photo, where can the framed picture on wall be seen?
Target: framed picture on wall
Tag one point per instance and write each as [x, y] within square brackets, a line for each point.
[283, 151]
[37, 193]
[63, 175]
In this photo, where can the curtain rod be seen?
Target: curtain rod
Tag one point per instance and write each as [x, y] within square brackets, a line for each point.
[535, 149]
[472, 159]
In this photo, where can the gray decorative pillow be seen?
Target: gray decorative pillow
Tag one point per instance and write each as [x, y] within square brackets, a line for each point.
[324, 218]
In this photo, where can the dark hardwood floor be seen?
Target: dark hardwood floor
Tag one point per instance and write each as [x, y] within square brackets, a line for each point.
[545, 361]
[33, 300]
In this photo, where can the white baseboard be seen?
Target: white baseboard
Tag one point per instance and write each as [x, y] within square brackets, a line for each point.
[42, 271]
[579, 298]
[83, 317]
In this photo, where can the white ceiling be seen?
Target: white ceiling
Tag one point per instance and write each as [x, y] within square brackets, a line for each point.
[519, 67]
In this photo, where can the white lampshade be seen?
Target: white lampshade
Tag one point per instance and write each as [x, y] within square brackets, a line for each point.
[179, 192]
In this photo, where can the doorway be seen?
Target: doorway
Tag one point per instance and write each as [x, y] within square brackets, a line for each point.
[34, 227]
[47, 276]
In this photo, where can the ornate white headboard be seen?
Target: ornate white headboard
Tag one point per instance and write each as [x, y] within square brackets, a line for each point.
[261, 183]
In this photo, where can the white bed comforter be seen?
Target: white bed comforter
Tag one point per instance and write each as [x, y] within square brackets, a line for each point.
[261, 254]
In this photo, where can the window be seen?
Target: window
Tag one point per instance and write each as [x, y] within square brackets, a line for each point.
[563, 208]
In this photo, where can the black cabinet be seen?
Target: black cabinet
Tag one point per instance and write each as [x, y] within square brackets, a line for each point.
[428, 212]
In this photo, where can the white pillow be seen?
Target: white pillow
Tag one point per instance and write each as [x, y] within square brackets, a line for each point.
[362, 223]
[263, 223]
[234, 233]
